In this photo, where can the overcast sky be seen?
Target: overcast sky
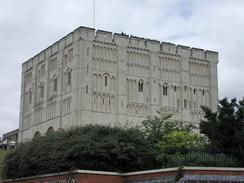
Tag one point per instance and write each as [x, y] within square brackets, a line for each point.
[29, 26]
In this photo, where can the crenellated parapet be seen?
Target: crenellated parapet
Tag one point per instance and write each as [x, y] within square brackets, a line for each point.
[122, 39]
[168, 48]
[53, 49]
[104, 36]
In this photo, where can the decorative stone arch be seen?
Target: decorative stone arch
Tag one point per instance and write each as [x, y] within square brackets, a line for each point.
[68, 74]
[94, 82]
[54, 83]
[140, 85]
[29, 94]
[106, 80]
[99, 82]
[50, 130]
[41, 89]
[165, 89]
[112, 83]
[37, 134]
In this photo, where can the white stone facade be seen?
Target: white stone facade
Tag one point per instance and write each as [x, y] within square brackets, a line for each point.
[98, 77]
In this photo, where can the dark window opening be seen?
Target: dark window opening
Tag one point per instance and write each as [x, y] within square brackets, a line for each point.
[55, 85]
[140, 87]
[185, 103]
[165, 90]
[69, 78]
[42, 91]
[106, 81]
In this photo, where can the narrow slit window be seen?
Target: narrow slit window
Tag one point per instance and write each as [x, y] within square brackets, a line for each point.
[55, 85]
[140, 87]
[30, 97]
[106, 80]
[165, 90]
[69, 78]
[185, 103]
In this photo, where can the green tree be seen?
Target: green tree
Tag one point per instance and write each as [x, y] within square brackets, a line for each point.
[225, 127]
[178, 140]
[175, 145]
[171, 138]
[91, 147]
[157, 127]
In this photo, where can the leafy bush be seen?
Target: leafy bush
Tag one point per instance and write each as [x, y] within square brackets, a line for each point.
[3, 154]
[91, 147]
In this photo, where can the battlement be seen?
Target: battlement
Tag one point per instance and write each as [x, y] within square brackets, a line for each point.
[90, 34]
[104, 36]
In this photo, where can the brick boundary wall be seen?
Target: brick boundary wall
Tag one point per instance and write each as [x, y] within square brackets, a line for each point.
[151, 176]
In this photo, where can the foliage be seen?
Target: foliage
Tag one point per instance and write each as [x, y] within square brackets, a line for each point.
[176, 143]
[91, 147]
[170, 137]
[178, 140]
[157, 126]
[3, 154]
[225, 127]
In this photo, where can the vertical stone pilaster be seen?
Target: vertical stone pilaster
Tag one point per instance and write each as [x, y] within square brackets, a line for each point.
[213, 71]
[184, 53]
[154, 48]
[84, 78]
[21, 113]
[122, 72]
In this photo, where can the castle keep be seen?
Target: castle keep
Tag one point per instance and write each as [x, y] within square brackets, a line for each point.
[98, 77]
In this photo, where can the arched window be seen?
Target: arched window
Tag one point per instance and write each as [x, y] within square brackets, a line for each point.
[69, 78]
[175, 88]
[106, 80]
[165, 90]
[140, 86]
[194, 91]
[55, 84]
[86, 89]
[41, 90]
[185, 103]
[203, 92]
[30, 96]
[37, 134]
[50, 130]
[185, 87]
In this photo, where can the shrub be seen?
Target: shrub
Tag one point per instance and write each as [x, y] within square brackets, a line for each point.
[91, 147]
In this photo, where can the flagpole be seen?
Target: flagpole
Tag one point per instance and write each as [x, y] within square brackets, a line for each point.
[94, 14]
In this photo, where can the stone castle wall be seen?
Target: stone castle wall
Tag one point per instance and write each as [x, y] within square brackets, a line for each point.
[98, 77]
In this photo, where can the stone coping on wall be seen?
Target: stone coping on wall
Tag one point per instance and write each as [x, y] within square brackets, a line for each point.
[128, 174]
